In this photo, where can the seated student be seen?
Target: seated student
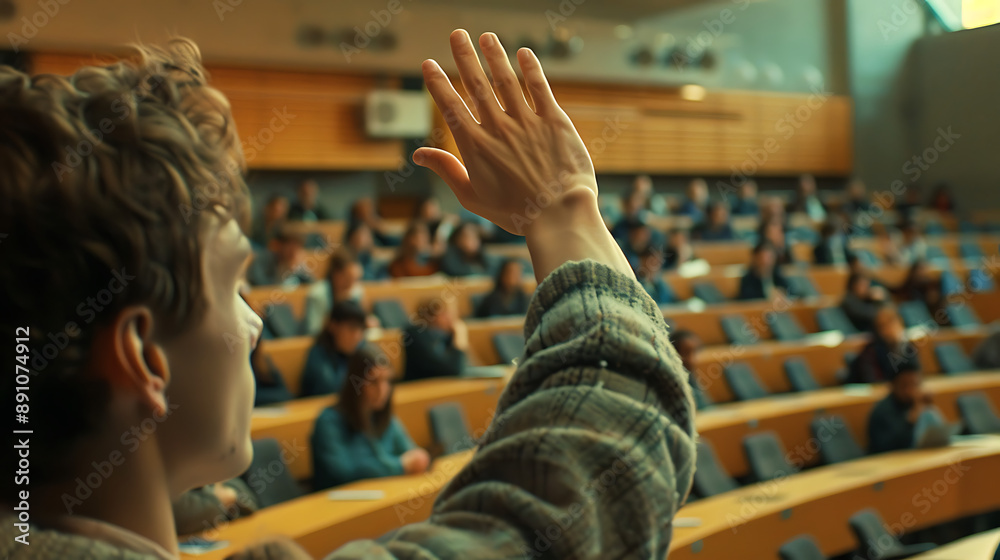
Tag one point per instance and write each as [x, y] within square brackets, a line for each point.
[358, 240]
[941, 199]
[307, 207]
[281, 263]
[214, 505]
[649, 273]
[359, 437]
[436, 343]
[343, 283]
[763, 278]
[687, 345]
[831, 249]
[439, 225]
[326, 364]
[913, 247]
[638, 238]
[899, 420]
[856, 198]
[862, 301]
[653, 202]
[678, 249]
[772, 230]
[806, 201]
[508, 296]
[633, 214]
[154, 352]
[414, 255]
[363, 212]
[716, 226]
[920, 285]
[888, 351]
[695, 204]
[746, 199]
[269, 384]
[275, 214]
[465, 254]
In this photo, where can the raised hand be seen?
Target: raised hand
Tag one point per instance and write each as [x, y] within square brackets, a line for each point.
[526, 169]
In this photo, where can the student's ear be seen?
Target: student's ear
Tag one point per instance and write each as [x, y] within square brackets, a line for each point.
[142, 361]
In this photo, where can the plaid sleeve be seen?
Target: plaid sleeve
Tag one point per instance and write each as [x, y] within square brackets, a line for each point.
[591, 451]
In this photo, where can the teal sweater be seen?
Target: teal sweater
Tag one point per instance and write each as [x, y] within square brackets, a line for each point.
[341, 455]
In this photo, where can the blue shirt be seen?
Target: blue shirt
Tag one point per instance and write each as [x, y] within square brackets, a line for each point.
[324, 372]
[341, 455]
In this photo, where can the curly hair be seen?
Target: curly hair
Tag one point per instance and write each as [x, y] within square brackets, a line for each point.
[106, 179]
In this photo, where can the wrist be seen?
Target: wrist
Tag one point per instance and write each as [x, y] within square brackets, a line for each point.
[576, 208]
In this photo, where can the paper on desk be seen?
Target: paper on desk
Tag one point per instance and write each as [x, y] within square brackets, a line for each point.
[355, 495]
[196, 546]
[687, 522]
[857, 389]
[270, 412]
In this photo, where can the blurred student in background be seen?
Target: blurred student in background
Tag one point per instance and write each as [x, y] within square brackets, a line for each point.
[307, 207]
[941, 199]
[763, 279]
[856, 199]
[716, 226]
[508, 296]
[806, 201]
[649, 273]
[269, 384]
[899, 420]
[688, 345]
[363, 212]
[274, 215]
[358, 239]
[678, 249]
[326, 364]
[773, 231]
[465, 254]
[343, 283]
[282, 263]
[887, 353]
[862, 301]
[746, 199]
[359, 437]
[831, 249]
[214, 505]
[436, 343]
[695, 204]
[439, 224]
[414, 258]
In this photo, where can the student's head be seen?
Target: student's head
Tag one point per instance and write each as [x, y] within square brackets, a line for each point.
[437, 313]
[643, 185]
[748, 190]
[773, 232]
[639, 236]
[906, 383]
[287, 246]
[359, 237]
[466, 239]
[416, 240]
[764, 257]
[807, 186]
[123, 267]
[345, 272]
[718, 213]
[509, 276]
[429, 210]
[678, 238]
[856, 190]
[888, 325]
[346, 328]
[633, 202]
[772, 208]
[366, 397]
[308, 191]
[276, 208]
[697, 191]
[687, 345]
[362, 209]
[859, 284]
[650, 262]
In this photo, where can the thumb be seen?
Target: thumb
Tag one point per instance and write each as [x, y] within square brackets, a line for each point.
[446, 166]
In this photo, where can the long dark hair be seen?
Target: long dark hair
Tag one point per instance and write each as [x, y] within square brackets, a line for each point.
[342, 311]
[359, 368]
[498, 278]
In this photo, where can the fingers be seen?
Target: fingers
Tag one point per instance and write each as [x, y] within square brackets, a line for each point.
[537, 84]
[446, 166]
[473, 77]
[449, 102]
[505, 81]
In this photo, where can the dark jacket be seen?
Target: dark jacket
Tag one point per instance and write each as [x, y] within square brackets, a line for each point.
[877, 362]
[273, 390]
[752, 285]
[430, 353]
[498, 304]
[324, 372]
[860, 311]
[454, 263]
[888, 427]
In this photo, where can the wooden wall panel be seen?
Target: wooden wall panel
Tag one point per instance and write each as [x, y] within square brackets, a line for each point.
[628, 129]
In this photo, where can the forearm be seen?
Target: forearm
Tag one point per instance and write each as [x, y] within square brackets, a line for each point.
[571, 229]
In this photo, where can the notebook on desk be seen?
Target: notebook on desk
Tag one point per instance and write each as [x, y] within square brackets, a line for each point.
[938, 435]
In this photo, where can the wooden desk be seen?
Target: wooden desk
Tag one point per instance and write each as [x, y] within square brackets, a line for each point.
[753, 522]
[292, 423]
[321, 525]
[789, 416]
[981, 547]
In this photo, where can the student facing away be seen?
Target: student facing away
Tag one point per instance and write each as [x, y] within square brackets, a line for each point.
[359, 437]
[326, 365]
[899, 420]
[603, 387]
[436, 343]
[508, 296]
